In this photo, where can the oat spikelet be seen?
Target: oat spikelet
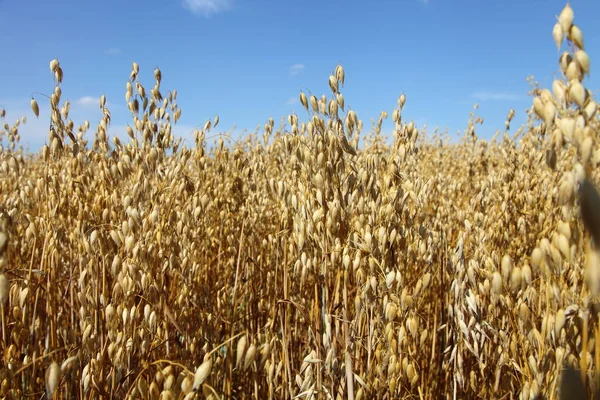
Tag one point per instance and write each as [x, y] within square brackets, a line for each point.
[557, 34]
[241, 350]
[35, 108]
[54, 65]
[250, 356]
[577, 36]
[565, 19]
[52, 378]
[202, 372]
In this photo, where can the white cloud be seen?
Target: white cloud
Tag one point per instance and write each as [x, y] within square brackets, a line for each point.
[113, 51]
[424, 1]
[296, 68]
[87, 101]
[207, 7]
[291, 101]
[495, 96]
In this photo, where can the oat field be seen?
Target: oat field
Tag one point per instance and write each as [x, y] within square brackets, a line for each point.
[295, 264]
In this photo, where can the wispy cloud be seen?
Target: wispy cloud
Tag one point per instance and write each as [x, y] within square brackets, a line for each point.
[424, 1]
[207, 8]
[113, 51]
[291, 101]
[296, 68]
[495, 96]
[87, 101]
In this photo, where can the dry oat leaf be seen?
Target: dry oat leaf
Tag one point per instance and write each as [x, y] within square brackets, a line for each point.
[4, 288]
[3, 242]
[590, 208]
[571, 385]
[551, 158]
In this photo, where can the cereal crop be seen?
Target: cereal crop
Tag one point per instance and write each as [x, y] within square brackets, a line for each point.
[296, 264]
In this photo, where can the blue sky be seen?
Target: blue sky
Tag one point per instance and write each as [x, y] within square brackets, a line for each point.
[248, 60]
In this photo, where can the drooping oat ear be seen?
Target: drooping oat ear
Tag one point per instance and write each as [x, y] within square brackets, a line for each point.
[564, 60]
[340, 74]
[242, 345]
[577, 93]
[576, 35]
[538, 107]
[590, 208]
[58, 74]
[314, 103]
[340, 100]
[202, 372]
[583, 60]
[332, 108]
[590, 109]
[35, 108]
[52, 378]
[559, 91]
[304, 100]
[250, 356]
[333, 84]
[346, 146]
[574, 71]
[549, 113]
[54, 65]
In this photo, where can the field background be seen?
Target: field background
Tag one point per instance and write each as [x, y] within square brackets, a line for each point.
[312, 259]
